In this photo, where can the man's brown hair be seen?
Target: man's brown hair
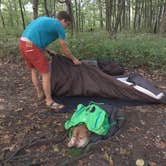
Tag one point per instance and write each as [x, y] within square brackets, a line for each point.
[64, 15]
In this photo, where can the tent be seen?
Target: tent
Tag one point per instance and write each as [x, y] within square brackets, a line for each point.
[87, 80]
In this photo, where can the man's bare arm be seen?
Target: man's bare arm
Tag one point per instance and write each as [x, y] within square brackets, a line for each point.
[65, 50]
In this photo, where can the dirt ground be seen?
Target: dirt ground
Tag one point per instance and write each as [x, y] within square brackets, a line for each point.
[28, 136]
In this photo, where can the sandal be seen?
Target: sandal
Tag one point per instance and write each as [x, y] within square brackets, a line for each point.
[55, 106]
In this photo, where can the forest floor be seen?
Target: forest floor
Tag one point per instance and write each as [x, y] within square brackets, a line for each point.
[29, 137]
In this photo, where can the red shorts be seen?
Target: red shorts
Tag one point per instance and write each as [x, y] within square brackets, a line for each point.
[34, 56]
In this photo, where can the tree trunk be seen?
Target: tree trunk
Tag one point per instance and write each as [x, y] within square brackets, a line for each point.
[70, 11]
[140, 15]
[108, 15]
[76, 16]
[45, 7]
[82, 22]
[159, 18]
[100, 13]
[2, 18]
[54, 10]
[35, 9]
[135, 16]
[124, 15]
[94, 19]
[162, 28]
[150, 16]
[10, 13]
[155, 29]
[129, 18]
[79, 9]
[22, 14]
[118, 18]
[15, 8]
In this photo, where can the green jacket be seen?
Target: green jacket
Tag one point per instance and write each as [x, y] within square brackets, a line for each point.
[95, 118]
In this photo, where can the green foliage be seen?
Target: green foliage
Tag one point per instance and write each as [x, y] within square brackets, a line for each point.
[9, 39]
[9, 50]
[131, 50]
[75, 152]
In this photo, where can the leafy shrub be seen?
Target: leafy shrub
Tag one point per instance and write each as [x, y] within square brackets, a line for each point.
[132, 50]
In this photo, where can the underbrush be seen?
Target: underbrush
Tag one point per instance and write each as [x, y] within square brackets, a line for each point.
[132, 50]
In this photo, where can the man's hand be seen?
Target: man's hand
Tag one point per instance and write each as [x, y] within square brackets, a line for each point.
[67, 53]
[76, 61]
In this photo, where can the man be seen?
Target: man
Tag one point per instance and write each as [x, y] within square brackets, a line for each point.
[33, 42]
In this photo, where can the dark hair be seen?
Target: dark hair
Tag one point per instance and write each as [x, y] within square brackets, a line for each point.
[64, 15]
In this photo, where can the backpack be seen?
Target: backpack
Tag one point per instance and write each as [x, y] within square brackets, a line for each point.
[95, 118]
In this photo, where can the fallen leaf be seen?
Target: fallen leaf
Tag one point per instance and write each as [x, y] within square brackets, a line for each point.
[140, 162]
[152, 163]
[2, 115]
[18, 122]
[19, 109]
[7, 139]
[124, 151]
[55, 148]
[2, 107]
[2, 100]
[160, 145]
[108, 158]
[43, 148]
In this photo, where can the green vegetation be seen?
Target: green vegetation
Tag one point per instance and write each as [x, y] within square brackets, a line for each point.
[131, 32]
[132, 50]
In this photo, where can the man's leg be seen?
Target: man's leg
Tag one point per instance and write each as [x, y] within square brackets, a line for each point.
[47, 91]
[47, 87]
[41, 64]
[36, 83]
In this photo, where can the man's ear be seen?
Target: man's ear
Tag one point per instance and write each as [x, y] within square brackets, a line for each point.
[62, 21]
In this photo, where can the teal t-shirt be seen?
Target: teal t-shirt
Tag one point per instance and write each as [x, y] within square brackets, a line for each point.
[44, 30]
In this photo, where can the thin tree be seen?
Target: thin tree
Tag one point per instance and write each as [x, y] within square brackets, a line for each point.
[163, 21]
[108, 15]
[45, 7]
[118, 18]
[136, 15]
[76, 16]
[100, 13]
[54, 10]
[2, 18]
[35, 9]
[10, 12]
[79, 14]
[16, 12]
[123, 15]
[129, 14]
[159, 15]
[22, 14]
